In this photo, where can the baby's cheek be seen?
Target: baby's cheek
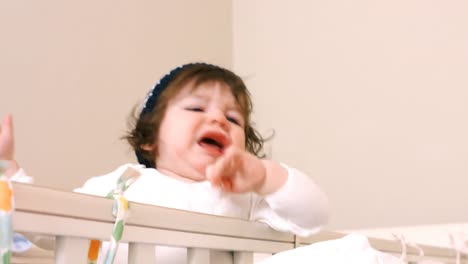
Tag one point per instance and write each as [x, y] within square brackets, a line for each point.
[239, 140]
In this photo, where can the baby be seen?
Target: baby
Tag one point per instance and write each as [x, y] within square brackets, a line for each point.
[198, 151]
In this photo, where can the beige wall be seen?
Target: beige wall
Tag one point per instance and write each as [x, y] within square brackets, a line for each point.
[369, 97]
[71, 72]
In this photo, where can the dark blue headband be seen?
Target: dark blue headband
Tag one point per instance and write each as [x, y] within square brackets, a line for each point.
[152, 99]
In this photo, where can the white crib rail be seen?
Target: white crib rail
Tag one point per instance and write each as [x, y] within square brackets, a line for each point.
[75, 218]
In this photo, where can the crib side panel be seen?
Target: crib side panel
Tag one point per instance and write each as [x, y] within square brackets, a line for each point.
[71, 250]
[141, 253]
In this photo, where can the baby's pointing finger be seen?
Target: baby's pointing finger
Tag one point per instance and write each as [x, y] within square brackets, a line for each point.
[224, 183]
[220, 170]
[213, 173]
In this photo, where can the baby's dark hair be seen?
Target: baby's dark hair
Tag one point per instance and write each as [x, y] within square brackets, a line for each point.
[144, 126]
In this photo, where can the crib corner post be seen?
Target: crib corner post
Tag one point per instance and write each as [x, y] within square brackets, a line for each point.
[243, 257]
[297, 241]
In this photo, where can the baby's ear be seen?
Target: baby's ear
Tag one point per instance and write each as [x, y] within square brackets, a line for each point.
[147, 147]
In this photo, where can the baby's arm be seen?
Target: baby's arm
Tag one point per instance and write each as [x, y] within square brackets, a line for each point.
[288, 200]
[299, 206]
[7, 152]
[7, 147]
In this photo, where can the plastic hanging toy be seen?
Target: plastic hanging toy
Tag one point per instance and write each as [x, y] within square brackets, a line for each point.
[6, 210]
[459, 244]
[120, 212]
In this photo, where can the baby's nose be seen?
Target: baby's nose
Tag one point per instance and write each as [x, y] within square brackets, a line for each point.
[218, 116]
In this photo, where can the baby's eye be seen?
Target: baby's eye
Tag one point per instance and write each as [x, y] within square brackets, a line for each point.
[233, 120]
[194, 109]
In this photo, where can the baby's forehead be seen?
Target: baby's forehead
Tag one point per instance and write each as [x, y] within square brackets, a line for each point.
[207, 89]
[196, 86]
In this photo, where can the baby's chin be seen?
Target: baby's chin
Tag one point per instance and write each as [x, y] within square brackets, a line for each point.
[194, 174]
[201, 171]
[185, 172]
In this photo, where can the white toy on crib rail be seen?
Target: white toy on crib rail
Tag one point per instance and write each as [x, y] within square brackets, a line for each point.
[459, 244]
[351, 249]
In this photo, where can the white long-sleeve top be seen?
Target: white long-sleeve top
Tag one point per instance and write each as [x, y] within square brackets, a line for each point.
[299, 206]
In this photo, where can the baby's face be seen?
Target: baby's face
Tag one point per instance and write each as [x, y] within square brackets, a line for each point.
[200, 123]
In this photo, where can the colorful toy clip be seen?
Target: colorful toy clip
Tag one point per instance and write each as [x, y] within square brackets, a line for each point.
[6, 209]
[120, 211]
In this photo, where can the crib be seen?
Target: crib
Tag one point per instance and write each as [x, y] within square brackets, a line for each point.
[75, 218]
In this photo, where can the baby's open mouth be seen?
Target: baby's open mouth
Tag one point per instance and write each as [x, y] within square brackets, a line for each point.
[213, 143]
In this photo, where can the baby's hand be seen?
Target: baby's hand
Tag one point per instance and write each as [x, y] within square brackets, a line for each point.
[239, 171]
[6, 139]
[7, 148]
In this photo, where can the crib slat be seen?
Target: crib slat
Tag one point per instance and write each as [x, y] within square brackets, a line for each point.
[243, 258]
[198, 256]
[141, 253]
[71, 250]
